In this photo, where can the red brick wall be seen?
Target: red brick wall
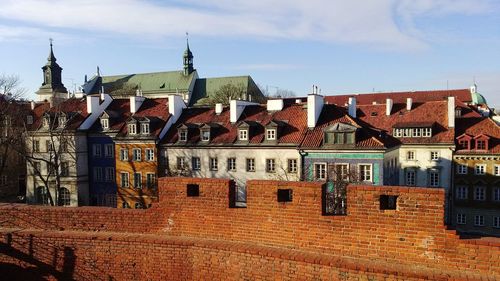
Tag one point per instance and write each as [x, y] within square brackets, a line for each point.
[186, 238]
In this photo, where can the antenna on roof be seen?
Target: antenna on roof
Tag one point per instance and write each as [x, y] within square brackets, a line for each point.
[447, 84]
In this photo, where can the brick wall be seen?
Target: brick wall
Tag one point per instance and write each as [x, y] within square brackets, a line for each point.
[191, 238]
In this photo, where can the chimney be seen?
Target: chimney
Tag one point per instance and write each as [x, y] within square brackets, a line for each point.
[135, 103]
[409, 103]
[314, 108]
[388, 106]
[451, 112]
[218, 108]
[275, 105]
[33, 104]
[352, 107]
[236, 107]
[92, 103]
[175, 105]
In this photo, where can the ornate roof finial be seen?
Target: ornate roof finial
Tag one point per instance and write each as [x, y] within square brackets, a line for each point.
[51, 57]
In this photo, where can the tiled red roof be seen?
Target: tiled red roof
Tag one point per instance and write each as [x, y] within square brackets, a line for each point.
[421, 113]
[400, 97]
[76, 110]
[476, 126]
[332, 114]
[293, 118]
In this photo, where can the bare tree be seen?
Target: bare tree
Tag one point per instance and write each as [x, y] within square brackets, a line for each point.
[224, 95]
[10, 87]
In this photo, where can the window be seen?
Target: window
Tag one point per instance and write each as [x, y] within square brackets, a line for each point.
[496, 194]
[124, 154]
[320, 171]
[37, 167]
[388, 202]
[124, 179]
[205, 135]
[365, 172]
[42, 196]
[478, 220]
[183, 135]
[341, 172]
[271, 134]
[458, 112]
[64, 145]
[496, 170]
[480, 169]
[64, 169]
[463, 144]
[270, 165]
[292, 166]
[411, 177]
[434, 155]
[181, 163]
[64, 197]
[480, 144]
[36, 146]
[137, 180]
[110, 174]
[461, 169]
[427, 132]
[417, 132]
[496, 222]
[132, 129]
[3, 180]
[434, 178]
[139, 205]
[105, 123]
[109, 150]
[125, 205]
[462, 192]
[250, 164]
[46, 121]
[480, 193]
[136, 154]
[214, 164]
[62, 121]
[150, 180]
[145, 128]
[461, 219]
[231, 164]
[29, 119]
[410, 155]
[150, 154]
[243, 134]
[96, 150]
[196, 163]
[98, 174]
[398, 133]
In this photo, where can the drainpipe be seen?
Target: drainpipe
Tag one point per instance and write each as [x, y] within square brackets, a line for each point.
[302, 154]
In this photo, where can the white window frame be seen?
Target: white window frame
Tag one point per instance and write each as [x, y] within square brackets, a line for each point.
[109, 150]
[478, 220]
[243, 134]
[427, 132]
[145, 128]
[150, 154]
[213, 164]
[136, 154]
[105, 123]
[270, 165]
[132, 129]
[138, 183]
[96, 150]
[461, 218]
[480, 169]
[124, 154]
[150, 180]
[398, 133]
[181, 163]
[462, 192]
[64, 198]
[479, 193]
[292, 166]
[434, 155]
[231, 164]
[362, 176]
[196, 163]
[205, 135]
[270, 134]
[250, 164]
[183, 135]
[123, 182]
[411, 155]
[462, 169]
[320, 171]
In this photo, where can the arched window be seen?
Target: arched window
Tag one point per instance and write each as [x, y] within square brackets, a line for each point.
[64, 197]
[42, 197]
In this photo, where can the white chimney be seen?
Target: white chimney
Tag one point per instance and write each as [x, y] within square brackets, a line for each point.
[175, 105]
[236, 107]
[218, 108]
[409, 103]
[92, 103]
[135, 103]
[298, 101]
[451, 112]
[352, 107]
[33, 104]
[314, 108]
[275, 105]
[388, 106]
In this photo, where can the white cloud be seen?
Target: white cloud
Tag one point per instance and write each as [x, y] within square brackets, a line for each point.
[364, 22]
[267, 66]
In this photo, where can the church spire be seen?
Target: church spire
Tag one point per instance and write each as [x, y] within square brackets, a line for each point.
[188, 58]
[52, 86]
[51, 59]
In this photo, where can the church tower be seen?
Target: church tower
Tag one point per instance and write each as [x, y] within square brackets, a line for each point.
[188, 60]
[52, 88]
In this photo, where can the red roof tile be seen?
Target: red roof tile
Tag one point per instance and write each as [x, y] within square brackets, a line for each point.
[476, 126]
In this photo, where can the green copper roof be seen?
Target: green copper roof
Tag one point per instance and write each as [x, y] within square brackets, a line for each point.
[206, 87]
[477, 98]
[157, 82]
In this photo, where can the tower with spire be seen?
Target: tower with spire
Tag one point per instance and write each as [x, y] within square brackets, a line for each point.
[188, 59]
[52, 88]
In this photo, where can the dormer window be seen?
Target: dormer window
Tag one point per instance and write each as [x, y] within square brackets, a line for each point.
[481, 142]
[205, 135]
[458, 112]
[270, 134]
[183, 135]
[29, 119]
[243, 134]
[464, 144]
[46, 121]
[132, 129]
[340, 133]
[105, 123]
[145, 128]
[412, 130]
[62, 120]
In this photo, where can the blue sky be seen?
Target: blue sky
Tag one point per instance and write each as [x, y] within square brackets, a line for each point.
[341, 46]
